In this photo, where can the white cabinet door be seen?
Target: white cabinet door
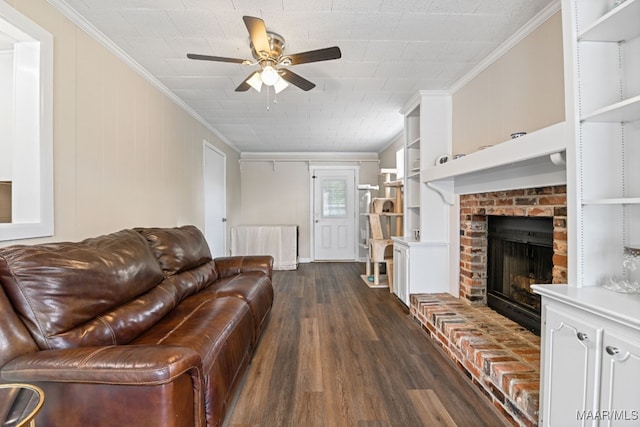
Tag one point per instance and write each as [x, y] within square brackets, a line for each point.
[571, 364]
[401, 271]
[620, 378]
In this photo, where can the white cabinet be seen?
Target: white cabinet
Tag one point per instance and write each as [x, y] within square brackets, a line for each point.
[620, 378]
[401, 271]
[572, 350]
[425, 262]
[591, 336]
[602, 88]
[410, 274]
[591, 357]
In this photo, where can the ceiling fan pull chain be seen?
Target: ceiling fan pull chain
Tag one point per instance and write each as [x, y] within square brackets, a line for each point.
[268, 98]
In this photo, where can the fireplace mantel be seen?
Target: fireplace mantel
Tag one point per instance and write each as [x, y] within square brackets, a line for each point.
[532, 160]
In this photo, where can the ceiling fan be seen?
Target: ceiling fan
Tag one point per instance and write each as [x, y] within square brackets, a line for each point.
[267, 48]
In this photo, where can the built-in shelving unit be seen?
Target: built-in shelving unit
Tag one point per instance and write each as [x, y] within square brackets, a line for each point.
[590, 350]
[421, 256]
[602, 76]
[412, 166]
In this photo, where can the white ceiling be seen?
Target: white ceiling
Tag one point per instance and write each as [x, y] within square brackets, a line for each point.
[390, 50]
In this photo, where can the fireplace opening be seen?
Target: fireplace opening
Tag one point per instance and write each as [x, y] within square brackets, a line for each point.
[519, 254]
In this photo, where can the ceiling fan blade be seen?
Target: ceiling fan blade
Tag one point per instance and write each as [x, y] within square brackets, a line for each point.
[315, 55]
[257, 33]
[216, 58]
[245, 86]
[295, 79]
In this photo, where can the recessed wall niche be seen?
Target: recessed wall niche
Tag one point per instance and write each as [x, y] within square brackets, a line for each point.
[26, 135]
[5, 202]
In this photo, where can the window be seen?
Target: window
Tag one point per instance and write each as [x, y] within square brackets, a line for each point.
[334, 198]
[26, 161]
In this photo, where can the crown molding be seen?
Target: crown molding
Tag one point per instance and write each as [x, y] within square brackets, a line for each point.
[107, 43]
[516, 38]
[398, 139]
[309, 156]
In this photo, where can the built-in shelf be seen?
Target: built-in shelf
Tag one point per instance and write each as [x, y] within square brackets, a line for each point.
[623, 111]
[613, 201]
[620, 23]
[533, 160]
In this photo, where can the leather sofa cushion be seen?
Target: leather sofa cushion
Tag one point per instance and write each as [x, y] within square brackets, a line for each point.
[15, 340]
[254, 287]
[177, 249]
[221, 331]
[61, 287]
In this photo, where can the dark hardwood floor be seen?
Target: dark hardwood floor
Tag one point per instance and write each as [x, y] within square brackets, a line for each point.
[337, 353]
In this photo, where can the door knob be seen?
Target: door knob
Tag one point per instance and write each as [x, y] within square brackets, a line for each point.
[612, 350]
[582, 336]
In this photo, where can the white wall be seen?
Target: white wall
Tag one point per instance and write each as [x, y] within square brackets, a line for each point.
[279, 193]
[6, 113]
[522, 91]
[125, 154]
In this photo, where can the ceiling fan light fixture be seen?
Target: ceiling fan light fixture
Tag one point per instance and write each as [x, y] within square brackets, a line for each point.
[255, 81]
[280, 85]
[269, 75]
[267, 48]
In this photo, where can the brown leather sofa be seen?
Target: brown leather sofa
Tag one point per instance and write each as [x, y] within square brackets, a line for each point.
[136, 328]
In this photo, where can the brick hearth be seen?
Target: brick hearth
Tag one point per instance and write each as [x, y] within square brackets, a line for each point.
[501, 357]
[497, 354]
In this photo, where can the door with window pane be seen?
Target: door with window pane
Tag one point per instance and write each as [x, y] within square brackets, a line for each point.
[334, 214]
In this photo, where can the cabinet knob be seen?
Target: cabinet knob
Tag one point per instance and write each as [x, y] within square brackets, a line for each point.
[582, 336]
[611, 350]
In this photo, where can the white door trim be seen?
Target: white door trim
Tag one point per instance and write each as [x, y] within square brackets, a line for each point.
[208, 146]
[356, 172]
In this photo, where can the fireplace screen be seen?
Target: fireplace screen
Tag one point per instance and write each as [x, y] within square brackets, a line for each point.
[519, 254]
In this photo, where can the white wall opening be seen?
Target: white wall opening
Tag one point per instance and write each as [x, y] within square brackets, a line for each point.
[26, 127]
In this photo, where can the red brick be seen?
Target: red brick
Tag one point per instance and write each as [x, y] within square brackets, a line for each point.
[552, 200]
[560, 260]
[527, 396]
[526, 201]
[499, 368]
[540, 211]
[560, 211]
[560, 189]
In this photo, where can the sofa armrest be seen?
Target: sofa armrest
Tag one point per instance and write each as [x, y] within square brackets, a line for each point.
[230, 266]
[125, 365]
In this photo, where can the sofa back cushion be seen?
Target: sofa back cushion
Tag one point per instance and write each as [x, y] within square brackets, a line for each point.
[76, 294]
[177, 249]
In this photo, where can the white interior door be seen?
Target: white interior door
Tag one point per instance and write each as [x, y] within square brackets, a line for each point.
[215, 199]
[334, 214]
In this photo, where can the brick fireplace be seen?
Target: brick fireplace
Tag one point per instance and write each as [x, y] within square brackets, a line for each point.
[499, 356]
[474, 210]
